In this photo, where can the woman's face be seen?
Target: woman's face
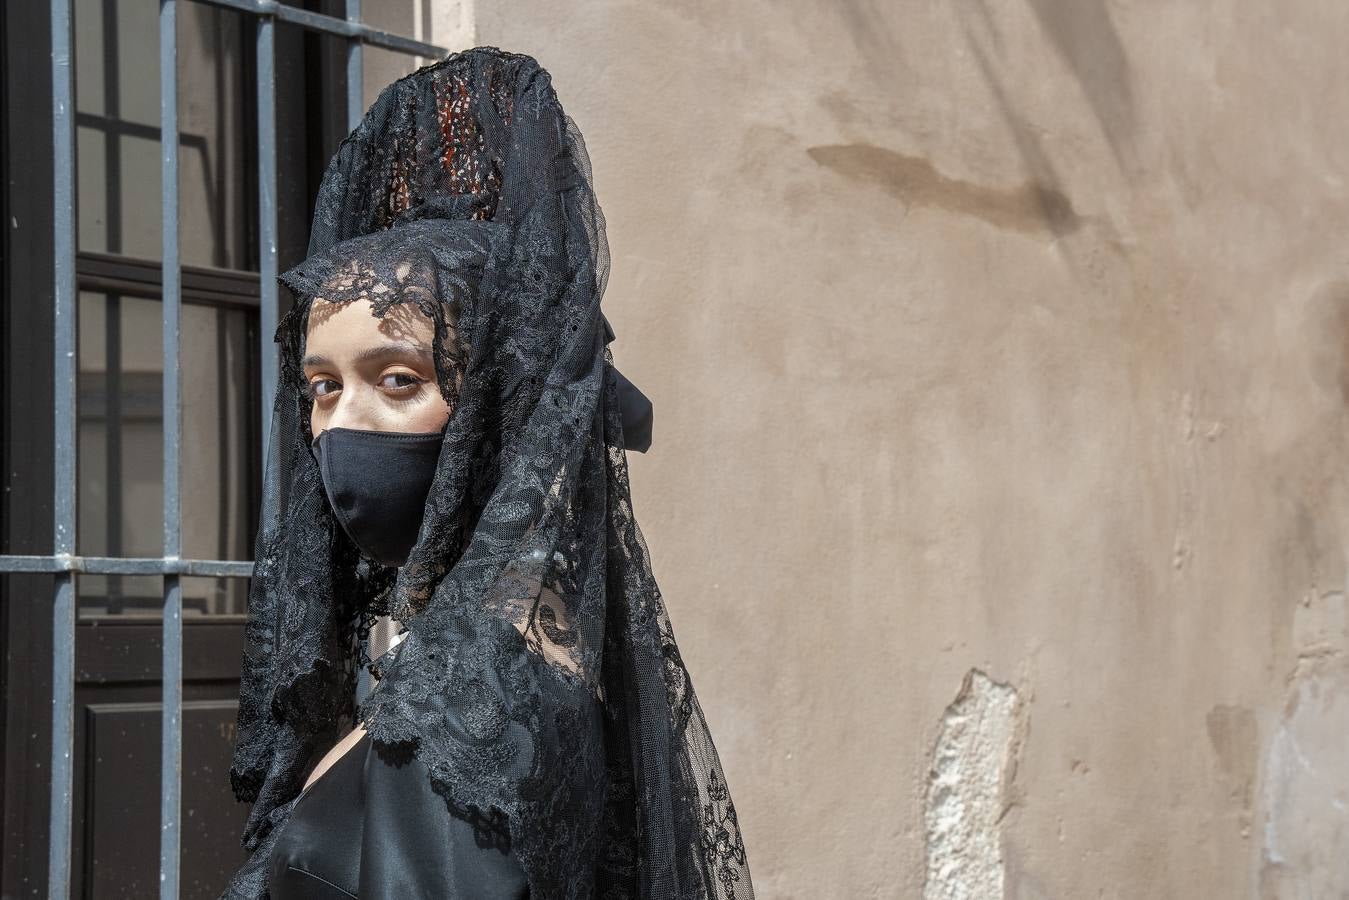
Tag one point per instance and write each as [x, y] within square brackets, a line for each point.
[370, 373]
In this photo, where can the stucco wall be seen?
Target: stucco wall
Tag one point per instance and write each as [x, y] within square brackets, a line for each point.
[999, 355]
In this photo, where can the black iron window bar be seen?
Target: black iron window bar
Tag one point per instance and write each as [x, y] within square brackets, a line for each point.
[63, 563]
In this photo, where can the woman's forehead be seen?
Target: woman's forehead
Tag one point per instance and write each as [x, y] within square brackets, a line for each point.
[353, 326]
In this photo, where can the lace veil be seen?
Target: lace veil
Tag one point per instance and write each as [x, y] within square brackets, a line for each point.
[539, 680]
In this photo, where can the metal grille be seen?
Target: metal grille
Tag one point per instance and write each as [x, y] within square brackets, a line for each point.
[64, 563]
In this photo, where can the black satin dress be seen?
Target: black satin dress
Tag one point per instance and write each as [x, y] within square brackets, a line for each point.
[376, 830]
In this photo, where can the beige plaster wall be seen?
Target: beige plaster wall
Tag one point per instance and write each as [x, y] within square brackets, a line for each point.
[999, 359]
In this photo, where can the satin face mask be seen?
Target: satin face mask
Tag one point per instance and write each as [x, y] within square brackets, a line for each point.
[377, 483]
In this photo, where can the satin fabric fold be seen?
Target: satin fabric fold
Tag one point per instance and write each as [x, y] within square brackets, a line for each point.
[374, 829]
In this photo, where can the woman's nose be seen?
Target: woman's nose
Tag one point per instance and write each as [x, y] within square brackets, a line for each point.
[351, 411]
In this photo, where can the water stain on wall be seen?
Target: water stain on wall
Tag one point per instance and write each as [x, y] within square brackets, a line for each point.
[1030, 207]
[1235, 737]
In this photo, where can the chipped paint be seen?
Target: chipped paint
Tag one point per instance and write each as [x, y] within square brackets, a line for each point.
[1306, 781]
[966, 791]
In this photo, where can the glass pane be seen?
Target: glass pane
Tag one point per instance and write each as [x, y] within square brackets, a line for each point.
[120, 461]
[214, 596]
[408, 18]
[121, 449]
[117, 139]
[220, 452]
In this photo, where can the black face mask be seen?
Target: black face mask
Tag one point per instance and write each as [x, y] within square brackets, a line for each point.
[377, 483]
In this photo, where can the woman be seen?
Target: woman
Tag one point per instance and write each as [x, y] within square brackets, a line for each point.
[479, 496]
[370, 828]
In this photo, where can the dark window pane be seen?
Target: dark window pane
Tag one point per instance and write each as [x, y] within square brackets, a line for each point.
[121, 447]
[409, 18]
[117, 142]
[120, 456]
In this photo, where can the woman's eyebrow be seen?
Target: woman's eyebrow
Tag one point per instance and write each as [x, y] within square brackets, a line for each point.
[378, 352]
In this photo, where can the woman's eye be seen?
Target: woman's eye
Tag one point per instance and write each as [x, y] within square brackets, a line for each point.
[321, 387]
[401, 382]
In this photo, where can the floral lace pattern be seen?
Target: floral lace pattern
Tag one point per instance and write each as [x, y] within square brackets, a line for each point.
[538, 678]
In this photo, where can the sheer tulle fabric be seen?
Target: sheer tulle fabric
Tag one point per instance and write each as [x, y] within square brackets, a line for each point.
[540, 682]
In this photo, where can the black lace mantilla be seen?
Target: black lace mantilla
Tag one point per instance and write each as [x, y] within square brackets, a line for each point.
[539, 679]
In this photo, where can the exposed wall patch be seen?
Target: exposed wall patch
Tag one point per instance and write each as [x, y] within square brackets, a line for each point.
[966, 787]
[1306, 778]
